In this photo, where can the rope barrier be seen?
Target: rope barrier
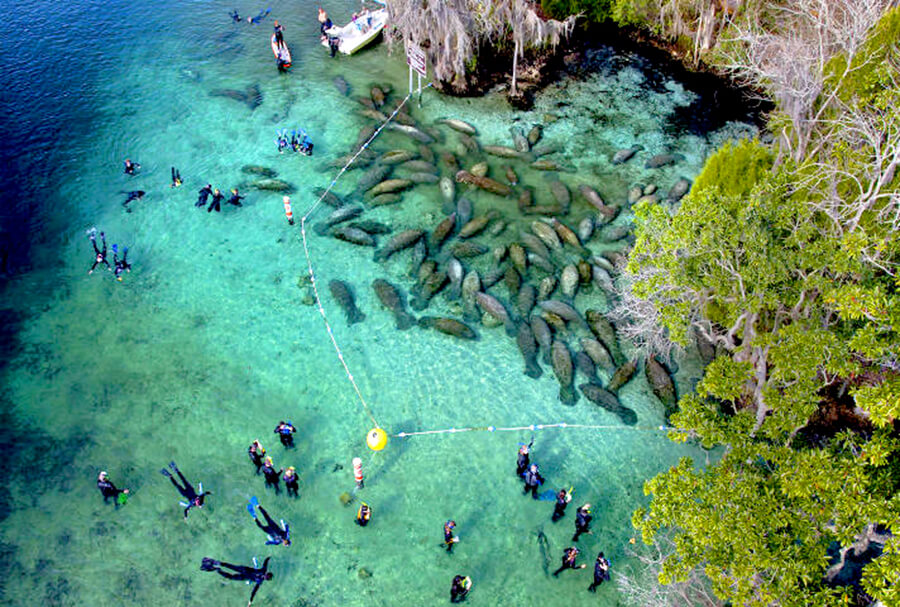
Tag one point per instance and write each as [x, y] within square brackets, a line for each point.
[534, 427]
[312, 275]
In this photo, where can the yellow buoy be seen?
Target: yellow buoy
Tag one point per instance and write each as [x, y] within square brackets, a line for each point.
[376, 439]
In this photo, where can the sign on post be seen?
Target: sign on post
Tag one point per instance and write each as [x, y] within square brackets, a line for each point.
[415, 58]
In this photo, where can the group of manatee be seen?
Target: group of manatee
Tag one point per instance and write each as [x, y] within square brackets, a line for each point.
[539, 260]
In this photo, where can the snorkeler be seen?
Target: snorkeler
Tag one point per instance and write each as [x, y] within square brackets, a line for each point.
[562, 500]
[100, 254]
[109, 490]
[272, 476]
[582, 521]
[459, 588]
[132, 195]
[601, 572]
[533, 480]
[216, 202]
[291, 481]
[568, 560]
[204, 192]
[262, 15]
[187, 492]
[256, 452]
[176, 178]
[235, 17]
[235, 198]
[449, 538]
[131, 167]
[285, 431]
[121, 265]
[306, 145]
[242, 573]
[277, 534]
[523, 460]
[363, 515]
[281, 140]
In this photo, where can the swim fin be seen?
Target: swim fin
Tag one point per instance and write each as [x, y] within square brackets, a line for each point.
[165, 472]
[251, 506]
[547, 496]
[208, 564]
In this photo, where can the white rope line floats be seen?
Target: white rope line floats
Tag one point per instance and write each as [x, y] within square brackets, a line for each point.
[534, 427]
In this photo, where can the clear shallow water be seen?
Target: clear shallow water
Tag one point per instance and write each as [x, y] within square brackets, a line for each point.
[207, 344]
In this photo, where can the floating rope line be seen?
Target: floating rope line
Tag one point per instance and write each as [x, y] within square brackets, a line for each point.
[312, 275]
[534, 427]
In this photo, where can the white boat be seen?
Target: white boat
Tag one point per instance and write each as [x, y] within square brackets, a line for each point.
[359, 32]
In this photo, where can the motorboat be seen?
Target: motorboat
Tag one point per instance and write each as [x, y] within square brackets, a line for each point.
[360, 32]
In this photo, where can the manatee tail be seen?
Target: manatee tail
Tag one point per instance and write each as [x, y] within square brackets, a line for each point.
[357, 316]
[405, 321]
[533, 369]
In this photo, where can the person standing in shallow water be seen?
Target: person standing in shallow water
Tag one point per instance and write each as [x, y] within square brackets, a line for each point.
[601, 572]
[582, 521]
[459, 588]
[449, 538]
[216, 202]
[568, 561]
[291, 482]
[272, 476]
[533, 480]
[285, 431]
[257, 454]
[108, 489]
[562, 500]
[204, 194]
[523, 460]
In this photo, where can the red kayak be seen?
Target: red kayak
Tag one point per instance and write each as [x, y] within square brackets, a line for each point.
[282, 54]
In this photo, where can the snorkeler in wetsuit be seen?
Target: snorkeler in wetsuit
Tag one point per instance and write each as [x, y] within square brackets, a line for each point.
[204, 192]
[601, 572]
[459, 588]
[285, 431]
[533, 480]
[235, 17]
[100, 254]
[449, 538]
[568, 561]
[562, 500]
[235, 198]
[272, 476]
[176, 178]
[306, 145]
[278, 534]
[291, 481]
[108, 489]
[242, 573]
[216, 202]
[131, 167]
[121, 265]
[262, 15]
[363, 515]
[187, 492]
[523, 459]
[582, 521]
[256, 452]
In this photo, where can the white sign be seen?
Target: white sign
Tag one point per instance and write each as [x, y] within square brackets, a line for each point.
[415, 58]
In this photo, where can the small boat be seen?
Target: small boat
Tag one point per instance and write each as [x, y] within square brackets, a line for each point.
[282, 54]
[359, 32]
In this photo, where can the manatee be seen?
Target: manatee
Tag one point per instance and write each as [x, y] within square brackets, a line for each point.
[485, 183]
[455, 273]
[661, 160]
[426, 153]
[448, 191]
[662, 385]
[518, 257]
[604, 331]
[420, 178]
[343, 295]
[529, 349]
[337, 216]
[586, 228]
[650, 189]
[464, 211]
[427, 289]
[544, 164]
[441, 232]
[568, 281]
[560, 193]
[519, 140]
[548, 210]
[342, 86]
[251, 96]
[679, 189]
[525, 300]
[329, 197]
[525, 200]
[389, 186]
[501, 151]
[392, 298]
[585, 365]
[417, 257]
[273, 185]
[256, 169]
[568, 236]
[373, 176]
[542, 334]
[448, 326]
[367, 103]
[608, 401]
[546, 149]
[370, 226]
[479, 169]
[497, 227]
[493, 276]
[616, 233]
[513, 281]
[564, 311]
[383, 200]
[491, 305]
[534, 245]
[411, 131]
[598, 353]
[395, 157]
[476, 225]
[626, 154]
[450, 161]
[468, 249]
[459, 126]
[470, 144]
[353, 235]
[419, 166]
[562, 368]
[622, 376]
[400, 241]
[544, 547]
[470, 286]
[377, 96]
[608, 212]
[541, 262]
[546, 287]
[534, 135]
[547, 235]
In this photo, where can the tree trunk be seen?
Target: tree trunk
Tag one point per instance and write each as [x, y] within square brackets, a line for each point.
[515, 64]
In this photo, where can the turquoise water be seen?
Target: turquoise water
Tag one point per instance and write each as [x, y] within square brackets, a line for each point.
[207, 343]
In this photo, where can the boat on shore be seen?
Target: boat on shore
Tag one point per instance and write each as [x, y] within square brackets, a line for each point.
[282, 54]
[359, 33]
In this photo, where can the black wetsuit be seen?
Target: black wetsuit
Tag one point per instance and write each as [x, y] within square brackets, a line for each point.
[216, 202]
[236, 199]
[108, 490]
[272, 477]
[256, 456]
[601, 572]
[292, 483]
[235, 17]
[176, 177]
[276, 533]
[131, 167]
[99, 254]
[449, 540]
[279, 35]
[582, 523]
[568, 561]
[363, 515]
[533, 480]
[187, 491]
[122, 265]
[204, 192]
[522, 462]
[458, 590]
[285, 434]
[242, 573]
[559, 511]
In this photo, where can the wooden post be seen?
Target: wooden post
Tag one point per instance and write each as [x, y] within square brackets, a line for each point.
[515, 63]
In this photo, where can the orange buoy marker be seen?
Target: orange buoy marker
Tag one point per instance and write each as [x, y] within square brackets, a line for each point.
[287, 209]
[376, 439]
[357, 472]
